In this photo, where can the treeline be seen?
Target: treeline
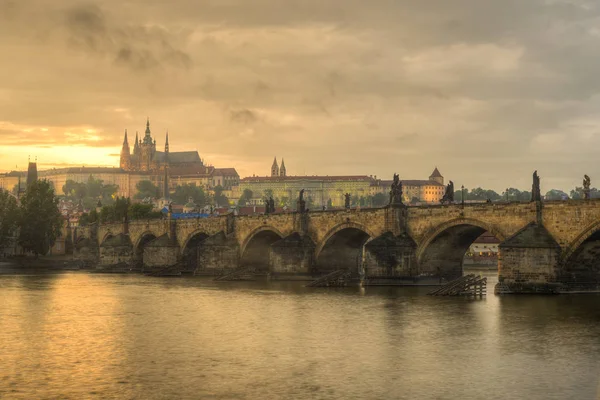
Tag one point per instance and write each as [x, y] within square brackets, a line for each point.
[512, 194]
[146, 190]
[117, 212]
[90, 192]
[37, 220]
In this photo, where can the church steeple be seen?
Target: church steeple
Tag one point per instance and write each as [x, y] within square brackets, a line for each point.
[125, 154]
[167, 143]
[282, 171]
[136, 145]
[275, 168]
[147, 136]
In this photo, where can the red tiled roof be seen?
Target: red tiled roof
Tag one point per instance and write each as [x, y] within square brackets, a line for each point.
[197, 170]
[225, 172]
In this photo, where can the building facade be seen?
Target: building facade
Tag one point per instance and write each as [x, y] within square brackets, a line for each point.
[424, 191]
[330, 190]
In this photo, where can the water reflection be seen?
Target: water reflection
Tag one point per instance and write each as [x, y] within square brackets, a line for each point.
[78, 335]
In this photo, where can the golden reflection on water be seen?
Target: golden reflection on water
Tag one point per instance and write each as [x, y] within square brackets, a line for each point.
[79, 335]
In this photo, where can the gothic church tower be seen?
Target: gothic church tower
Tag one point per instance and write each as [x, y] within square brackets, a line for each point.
[282, 171]
[275, 168]
[147, 149]
[125, 154]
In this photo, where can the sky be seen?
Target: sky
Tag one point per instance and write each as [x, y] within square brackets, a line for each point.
[487, 91]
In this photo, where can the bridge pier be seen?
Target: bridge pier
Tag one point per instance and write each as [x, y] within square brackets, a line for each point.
[390, 259]
[161, 253]
[292, 257]
[529, 262]
[116, 251]
[218, 254]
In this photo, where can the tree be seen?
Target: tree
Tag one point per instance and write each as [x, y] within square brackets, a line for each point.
[9, 217]
[115, 212]
[74, 189]
[285, 201]
[40, 220]
[184, 192]
[146, 189]
[94, 187]
[220, 199]
[556, 194]
[380, 200]
[143, 211]
[516, 195]
[245, 197]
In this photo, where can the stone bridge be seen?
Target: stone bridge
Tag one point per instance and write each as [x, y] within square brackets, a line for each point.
[541, 242]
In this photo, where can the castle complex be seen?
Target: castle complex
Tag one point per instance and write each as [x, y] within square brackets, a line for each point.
[145, 158]
[330, 190]
[165, 169]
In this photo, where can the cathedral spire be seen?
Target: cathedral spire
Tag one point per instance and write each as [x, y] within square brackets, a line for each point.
[274, 168]
[282, 171]
[125, 141]
[167, 143]
[148, 126]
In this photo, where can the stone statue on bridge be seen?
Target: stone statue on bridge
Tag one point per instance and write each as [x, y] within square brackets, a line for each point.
[535, 188]
[586, 187]
[347, 201]
[396, 191]
[271, 205]
[449, 194]
[301, 203]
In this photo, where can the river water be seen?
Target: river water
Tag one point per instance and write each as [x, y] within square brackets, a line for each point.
[78, 335]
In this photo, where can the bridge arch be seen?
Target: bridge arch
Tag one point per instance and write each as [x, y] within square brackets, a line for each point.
[138, 247]
[443, 248]
[107, 236]
[581, 259]
[189, 249]
[255, 249]
[342, 246]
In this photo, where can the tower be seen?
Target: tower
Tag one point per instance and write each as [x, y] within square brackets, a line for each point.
[125, 154]
[282, 171]
[167, 147]
[32, 174]
[436, 176]
[136, 145]
[275, 168]
[147, 149]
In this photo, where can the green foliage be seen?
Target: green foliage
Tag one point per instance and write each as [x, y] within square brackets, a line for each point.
[90, 192]
[577, 193]
[379, 200]
[115, 212]
[184, 192]
[143, 211]
[146, 189]
[40, 218]
[245, 197]
[477, 194]
[556, 194]
[516, 195]
[220, 200]
[88, 219]
[9, 217]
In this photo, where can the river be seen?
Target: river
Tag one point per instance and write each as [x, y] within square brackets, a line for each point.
[78, 335]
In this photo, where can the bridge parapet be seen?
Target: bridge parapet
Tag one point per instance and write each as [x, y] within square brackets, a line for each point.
[501, 219]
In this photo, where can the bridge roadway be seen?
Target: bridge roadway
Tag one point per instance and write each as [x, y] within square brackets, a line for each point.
[414, 241]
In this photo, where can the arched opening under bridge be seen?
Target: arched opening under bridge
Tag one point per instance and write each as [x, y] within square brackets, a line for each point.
[190, 252]
[343, 249]
[459, 250]
[139, 249]
[583, 264]
[256, 253]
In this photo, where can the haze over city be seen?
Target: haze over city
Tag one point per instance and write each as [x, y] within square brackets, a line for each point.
[487, 91]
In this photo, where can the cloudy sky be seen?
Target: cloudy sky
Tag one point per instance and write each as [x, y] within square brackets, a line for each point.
[486, 90]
